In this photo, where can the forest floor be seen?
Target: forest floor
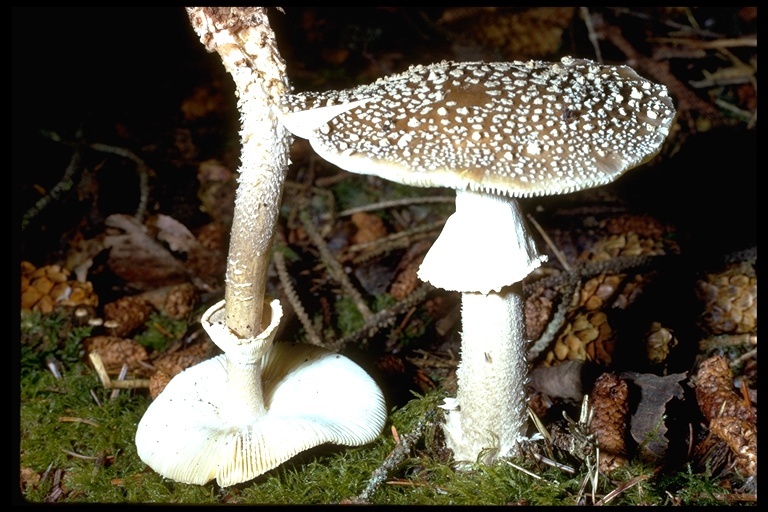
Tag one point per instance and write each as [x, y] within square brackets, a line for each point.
[125, 157]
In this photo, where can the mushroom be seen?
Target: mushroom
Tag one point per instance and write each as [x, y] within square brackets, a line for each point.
[242, 413]
[494, 132]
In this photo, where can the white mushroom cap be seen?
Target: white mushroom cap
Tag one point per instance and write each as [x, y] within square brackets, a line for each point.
[195, 430]
[515, 128]
[483, 247]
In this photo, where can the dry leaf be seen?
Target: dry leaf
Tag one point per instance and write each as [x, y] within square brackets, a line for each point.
[559, 381]
[138, 259]
[647, 426]
[145, 263]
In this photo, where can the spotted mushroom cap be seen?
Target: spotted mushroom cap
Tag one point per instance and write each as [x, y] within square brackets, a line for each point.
[517, 128]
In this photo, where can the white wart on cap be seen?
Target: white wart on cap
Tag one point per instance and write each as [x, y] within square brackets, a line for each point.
[513, 128]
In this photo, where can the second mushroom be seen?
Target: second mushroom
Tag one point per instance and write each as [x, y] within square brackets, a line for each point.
[494, 132]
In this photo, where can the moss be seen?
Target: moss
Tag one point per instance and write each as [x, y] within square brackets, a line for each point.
[358, 190]
[73, 426]
[161, 331]
[685, 487]
[51, 336]
[353, 192]
[348, 317]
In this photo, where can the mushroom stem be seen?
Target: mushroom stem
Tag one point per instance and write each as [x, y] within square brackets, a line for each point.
[487, 237]
[244, 40]
[490, 416]
[244, 402]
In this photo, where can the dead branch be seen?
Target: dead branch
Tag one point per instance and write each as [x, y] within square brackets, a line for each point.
[402, 447]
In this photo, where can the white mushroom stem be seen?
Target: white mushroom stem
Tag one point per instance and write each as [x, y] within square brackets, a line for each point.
[484, 251]
[243, 402]
[487, 418]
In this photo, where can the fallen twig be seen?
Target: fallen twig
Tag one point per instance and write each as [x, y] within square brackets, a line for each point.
[65, 184]
[520, 468]
[141, 168]
[620, 489]
[333, 265]
[593, 38]
[383, 318]
[107, 382]
[395, 457]
[400, 240]
[293, 298]
[568, 291]
[72, 419]
[749, 41]
[79, 456]
[395, 203]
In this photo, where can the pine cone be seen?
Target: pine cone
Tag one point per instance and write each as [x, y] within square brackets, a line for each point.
[115, 352]
[597, 293]
[586, 337]
[538, 311]
[644, 225]
[741, 438]
[369, 227]
[715, 393]
[659, 341]
[170, 364]
[610, 407]
[406, 279]
[624, 244]
[173, 363]
[631, 290]
[729, 299]
[42, 289]
[180, 301]
[126, 314]
[157, 383]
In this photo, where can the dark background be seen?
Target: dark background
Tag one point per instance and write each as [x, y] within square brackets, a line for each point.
[119, 75]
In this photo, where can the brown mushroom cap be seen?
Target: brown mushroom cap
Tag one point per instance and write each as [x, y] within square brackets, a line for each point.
[515, 128]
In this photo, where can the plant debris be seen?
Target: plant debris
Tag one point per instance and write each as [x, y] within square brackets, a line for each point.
[642, 324]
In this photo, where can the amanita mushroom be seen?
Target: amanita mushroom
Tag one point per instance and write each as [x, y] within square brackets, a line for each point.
[240, 414]
[495, 132]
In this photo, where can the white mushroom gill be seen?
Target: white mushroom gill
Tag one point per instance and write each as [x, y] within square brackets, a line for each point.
[494, 131]
[243, 413]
